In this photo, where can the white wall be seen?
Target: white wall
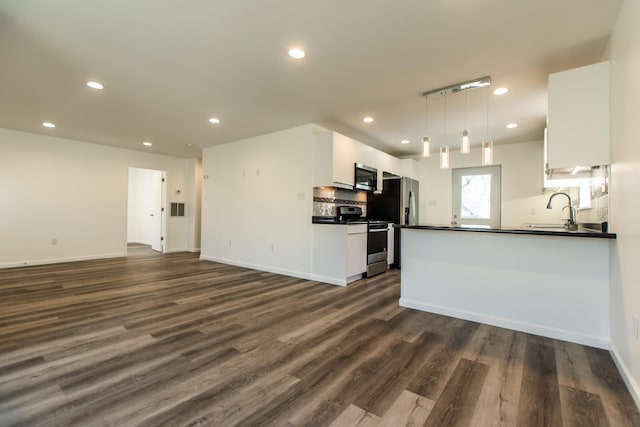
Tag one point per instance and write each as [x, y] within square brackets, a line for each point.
[76, 192]
[257, 202]
[193, 192]
[552, 286]
[625, 190]
[522, 181]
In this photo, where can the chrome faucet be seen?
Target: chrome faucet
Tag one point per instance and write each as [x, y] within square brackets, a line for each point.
[571, 224]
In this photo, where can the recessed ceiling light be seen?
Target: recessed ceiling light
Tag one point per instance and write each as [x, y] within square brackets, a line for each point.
[48, 125]
[95, 85]
[368, 119]
[296, 53]
[512, 125]
[500, 91]
[147, 144]
[214, 120]
[404, 141]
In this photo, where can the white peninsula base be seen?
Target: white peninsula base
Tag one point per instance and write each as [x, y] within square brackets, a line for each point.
[554, 286]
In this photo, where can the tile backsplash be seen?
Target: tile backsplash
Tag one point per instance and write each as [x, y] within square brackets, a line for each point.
[598, 197]
[326, 199]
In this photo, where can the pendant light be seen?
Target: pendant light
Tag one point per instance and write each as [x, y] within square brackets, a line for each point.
[487, 145]
[465, 140]
[487, 153]
[444, 150]
[426, 140]
[465, 136]
[444, 157]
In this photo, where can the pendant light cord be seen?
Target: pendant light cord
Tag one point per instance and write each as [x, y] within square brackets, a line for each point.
[426, 116]
[445, 118]
[487, 93]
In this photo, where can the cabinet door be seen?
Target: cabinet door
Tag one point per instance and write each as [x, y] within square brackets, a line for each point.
[578, 117]
[345, 153]
[356, 249]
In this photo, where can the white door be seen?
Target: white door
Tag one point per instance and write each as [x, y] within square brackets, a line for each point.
[476, 196]
[146, 217]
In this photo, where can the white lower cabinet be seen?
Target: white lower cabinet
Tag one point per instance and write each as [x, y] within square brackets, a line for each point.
[356, 250]
[339, 253]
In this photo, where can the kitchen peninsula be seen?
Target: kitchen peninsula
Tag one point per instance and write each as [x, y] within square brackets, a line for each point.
[551, 283]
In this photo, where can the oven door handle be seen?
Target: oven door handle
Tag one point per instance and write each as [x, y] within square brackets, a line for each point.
[380, 230]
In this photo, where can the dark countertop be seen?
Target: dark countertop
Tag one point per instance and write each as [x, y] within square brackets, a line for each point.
[582, 232]
[333, 220]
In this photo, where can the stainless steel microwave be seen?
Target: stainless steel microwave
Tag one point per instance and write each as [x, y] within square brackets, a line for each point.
[366, 178]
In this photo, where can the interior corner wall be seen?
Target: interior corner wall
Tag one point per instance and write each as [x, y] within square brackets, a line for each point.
[257, 202]
[65, 200]
[193, 206]
[523, 198]
[624, 51]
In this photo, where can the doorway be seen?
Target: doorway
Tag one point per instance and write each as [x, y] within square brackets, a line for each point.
[477, 196]
[146, 221]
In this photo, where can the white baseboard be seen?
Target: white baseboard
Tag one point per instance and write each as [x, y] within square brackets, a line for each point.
[516, 325]
[61, 260]
[269, 269]
[625, 372]
[174, 250]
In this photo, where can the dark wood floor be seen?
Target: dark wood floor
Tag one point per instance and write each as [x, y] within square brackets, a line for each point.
[168, 339]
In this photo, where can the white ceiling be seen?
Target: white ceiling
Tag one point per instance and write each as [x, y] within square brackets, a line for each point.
[169, 65]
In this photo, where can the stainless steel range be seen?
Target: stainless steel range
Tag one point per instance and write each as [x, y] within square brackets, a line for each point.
[376, 238]
[376, 247]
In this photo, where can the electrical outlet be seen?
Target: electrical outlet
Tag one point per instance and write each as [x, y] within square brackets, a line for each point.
[635, 326]
[532, 211]
[54, 241]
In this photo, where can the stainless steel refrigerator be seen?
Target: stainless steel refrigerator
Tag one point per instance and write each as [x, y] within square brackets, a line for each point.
[398, 203]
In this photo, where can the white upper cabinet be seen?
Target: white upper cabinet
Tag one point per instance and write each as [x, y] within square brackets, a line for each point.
[334, 157]
[578, 117]
[409, 168]
[386, 163]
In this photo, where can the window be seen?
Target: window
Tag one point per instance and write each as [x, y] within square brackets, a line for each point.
[476, 196]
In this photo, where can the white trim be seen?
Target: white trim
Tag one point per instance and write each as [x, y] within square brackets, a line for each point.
[174, 250]
[285, 272]
[625, 372]
[531, 328]
[60, 260]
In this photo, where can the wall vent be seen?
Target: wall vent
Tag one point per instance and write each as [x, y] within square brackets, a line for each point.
[177, 209]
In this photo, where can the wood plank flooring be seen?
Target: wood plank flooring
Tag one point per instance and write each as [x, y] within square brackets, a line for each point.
[154, 340]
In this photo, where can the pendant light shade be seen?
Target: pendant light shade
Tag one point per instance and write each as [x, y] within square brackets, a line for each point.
[465, 142]
[444, 157]
[426, 146]
[487, 145]
[487, 153]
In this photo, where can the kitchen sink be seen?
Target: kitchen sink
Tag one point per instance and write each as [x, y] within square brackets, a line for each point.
[548, 227]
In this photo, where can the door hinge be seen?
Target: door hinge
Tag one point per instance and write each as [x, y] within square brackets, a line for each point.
[162, 239]
[162, 179]
[161, 209]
